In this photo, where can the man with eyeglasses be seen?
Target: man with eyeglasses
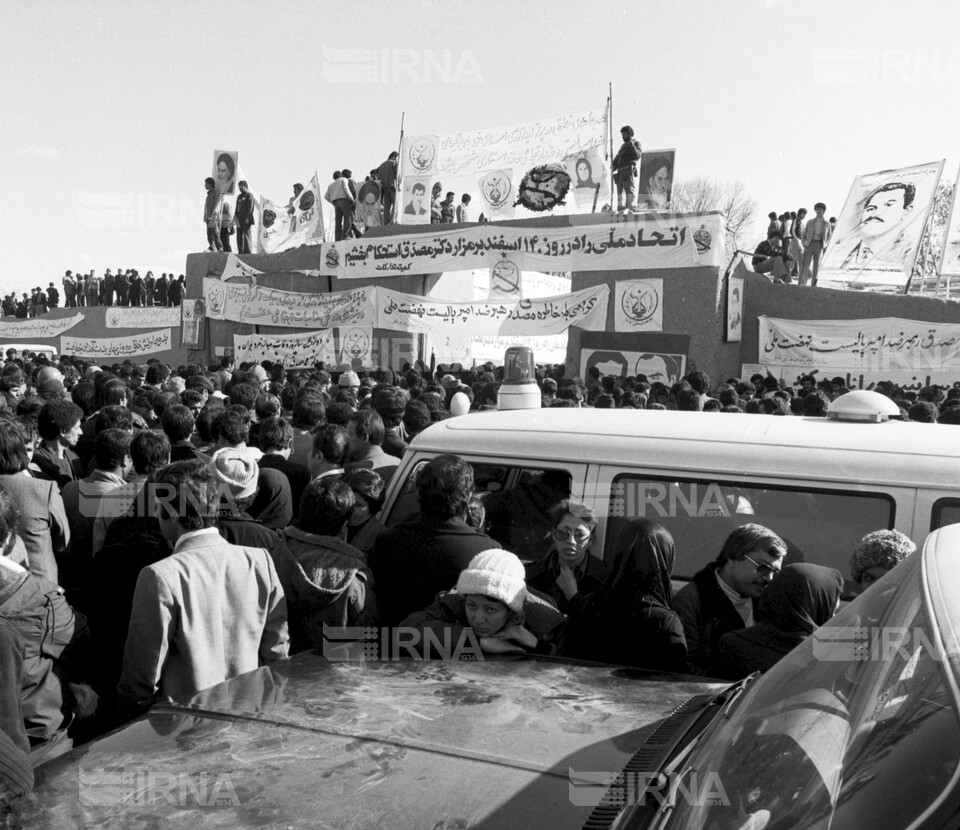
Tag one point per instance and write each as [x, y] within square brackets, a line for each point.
[722, 596]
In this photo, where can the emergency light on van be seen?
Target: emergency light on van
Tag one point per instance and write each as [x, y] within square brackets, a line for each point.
[862, 405]
[519, 389]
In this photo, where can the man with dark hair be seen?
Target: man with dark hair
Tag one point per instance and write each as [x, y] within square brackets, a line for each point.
[309, 413]
[387, 174]
[206, 613]
[815, 404]
[328, 454]
[178, 424]
[722, 596]
[389, 402]
[82, 500]
[244, 217]
[276, 437]
[625, 170]
[768, 258]
[58, 425]
[149, 453]
[816, 237]
[245, 394]
[231, 429]
[366, 432]
[424, 555]
[339, 590]
[211, 215]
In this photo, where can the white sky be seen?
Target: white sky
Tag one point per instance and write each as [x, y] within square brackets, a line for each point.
[110, 111]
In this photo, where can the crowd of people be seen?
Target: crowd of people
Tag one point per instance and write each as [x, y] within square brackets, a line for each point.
[125, 288]
[794, 245]
[163, 530]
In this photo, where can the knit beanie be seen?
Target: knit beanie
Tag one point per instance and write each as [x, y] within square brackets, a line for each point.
[236, 470]
[882, 548]
[497, 574]
[348, 379]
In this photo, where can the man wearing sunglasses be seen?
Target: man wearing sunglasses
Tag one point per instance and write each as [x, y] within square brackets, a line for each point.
[722, 596]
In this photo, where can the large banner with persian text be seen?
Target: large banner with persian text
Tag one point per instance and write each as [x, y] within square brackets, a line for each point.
[37, 328]
[116, 347]
[256, 304]
[907, 352]
[650, 241]
[518, 145]
[549, 315]
[117, 317]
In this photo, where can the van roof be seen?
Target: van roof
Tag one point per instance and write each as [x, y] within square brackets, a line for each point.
[905, 453]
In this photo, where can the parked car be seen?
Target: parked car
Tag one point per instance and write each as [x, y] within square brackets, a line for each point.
[857, 728]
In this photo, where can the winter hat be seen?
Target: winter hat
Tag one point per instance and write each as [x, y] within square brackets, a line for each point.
[349, 379]
[497, 574]
[237, 470]
[882, 548]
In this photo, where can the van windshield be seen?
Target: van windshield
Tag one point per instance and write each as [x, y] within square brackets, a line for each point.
[825, 738]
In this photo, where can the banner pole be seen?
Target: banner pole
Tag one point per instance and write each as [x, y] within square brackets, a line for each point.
[946, 232]
[610, 133]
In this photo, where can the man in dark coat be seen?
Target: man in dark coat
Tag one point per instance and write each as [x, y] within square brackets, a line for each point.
[722, 596]
[417, 559]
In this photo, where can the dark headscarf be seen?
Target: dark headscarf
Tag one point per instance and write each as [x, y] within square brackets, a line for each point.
[642, 564]
[801, 598]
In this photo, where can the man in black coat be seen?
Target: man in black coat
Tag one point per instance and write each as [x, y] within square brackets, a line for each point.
[722, 596]
[418, 558]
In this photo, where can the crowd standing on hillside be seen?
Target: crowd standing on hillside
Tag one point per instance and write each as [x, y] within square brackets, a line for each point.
[162, 530]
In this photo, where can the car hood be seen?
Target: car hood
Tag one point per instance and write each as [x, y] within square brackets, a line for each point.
[312, 743]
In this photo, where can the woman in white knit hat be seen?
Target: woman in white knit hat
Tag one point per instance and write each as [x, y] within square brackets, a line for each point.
[490, 608]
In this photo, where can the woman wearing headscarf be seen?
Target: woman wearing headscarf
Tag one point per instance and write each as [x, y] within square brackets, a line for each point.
[800, 599]
[628, 620]
[568, 572]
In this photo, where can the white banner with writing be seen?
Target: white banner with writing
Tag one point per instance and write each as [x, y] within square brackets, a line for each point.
[33, 329]
[273, 307]
[648, 241]
[887, 348]
[519, 145]
[550, 315]
[117, 347]
[638, 305]
[294, 351]
[141, 318]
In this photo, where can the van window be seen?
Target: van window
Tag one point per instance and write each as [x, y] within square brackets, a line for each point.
[945, 512]
[819, 526]
[517, 500]
[487, 479]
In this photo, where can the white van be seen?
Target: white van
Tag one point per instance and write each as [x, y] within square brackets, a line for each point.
[821, 484]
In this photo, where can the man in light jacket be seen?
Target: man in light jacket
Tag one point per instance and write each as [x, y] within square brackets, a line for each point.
[206, 613]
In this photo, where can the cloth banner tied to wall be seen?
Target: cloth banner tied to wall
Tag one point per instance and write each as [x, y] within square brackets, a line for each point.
[294, 351]
[652, 241]
[114, 347]
[273, 307]
[141, 318]
[887, 348]
[36, 329]
[550, 315]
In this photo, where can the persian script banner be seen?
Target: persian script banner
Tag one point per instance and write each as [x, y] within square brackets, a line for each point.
[107, 347]
[273, 307]
[649, 241]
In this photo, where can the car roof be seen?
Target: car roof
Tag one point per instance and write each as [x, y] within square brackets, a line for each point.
[904, 453]
[416, 743]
